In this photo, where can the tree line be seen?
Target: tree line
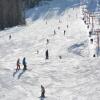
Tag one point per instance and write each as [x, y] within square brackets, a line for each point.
[12, 12]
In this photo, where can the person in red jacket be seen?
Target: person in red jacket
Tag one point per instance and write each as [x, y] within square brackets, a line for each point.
[18, 64]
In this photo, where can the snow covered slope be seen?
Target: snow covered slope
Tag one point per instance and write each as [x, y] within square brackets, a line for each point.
[74, 77]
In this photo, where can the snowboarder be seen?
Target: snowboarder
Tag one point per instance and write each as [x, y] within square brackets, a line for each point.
[9, 37]
[42, 92]
[47, 55]
[24, 64]
[18, 64]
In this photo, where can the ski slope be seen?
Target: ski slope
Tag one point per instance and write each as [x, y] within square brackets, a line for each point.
[74, 77]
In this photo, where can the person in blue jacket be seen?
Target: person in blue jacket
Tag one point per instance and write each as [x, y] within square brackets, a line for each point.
[24, 64]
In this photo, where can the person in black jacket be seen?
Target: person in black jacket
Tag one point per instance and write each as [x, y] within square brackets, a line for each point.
[9, 37]
[42, 92]
[47, 54]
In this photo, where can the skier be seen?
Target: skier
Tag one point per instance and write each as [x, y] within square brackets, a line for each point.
[88, 26]
[83, 18]
[85, 22]
[24, 64]
[47, 55]
[58, 27]
[90, 33]
[91, 41]
[64, 32]
[94, 55]
[9, 37]
[67, 26]
[47, 41]
[60, 57]
[54, 32]
[59, 21]
[18, 64]
[37, 51]
[42, 92]
[46, 22]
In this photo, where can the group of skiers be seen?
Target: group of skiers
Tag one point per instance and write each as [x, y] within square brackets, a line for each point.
[23, 62]
[46, 57]
[47, 41]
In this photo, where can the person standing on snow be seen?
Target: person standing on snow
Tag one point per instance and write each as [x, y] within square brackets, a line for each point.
[9, 37]
[47, 41]
[64, 32]
[67, 26]
[54, 32]
[24, 64]
[47, 54]
[42, 92]
[18, 64]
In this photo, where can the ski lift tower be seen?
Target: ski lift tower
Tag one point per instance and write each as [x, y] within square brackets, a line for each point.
[92, 16]
[87, 17]
[97, 31]
[84, 11]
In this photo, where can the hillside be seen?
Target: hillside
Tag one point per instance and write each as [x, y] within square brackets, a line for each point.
[76, 76]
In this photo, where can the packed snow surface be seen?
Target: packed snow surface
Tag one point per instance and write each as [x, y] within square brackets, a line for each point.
[74, 77]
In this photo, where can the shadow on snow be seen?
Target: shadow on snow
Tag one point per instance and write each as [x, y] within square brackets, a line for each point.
[78, 48]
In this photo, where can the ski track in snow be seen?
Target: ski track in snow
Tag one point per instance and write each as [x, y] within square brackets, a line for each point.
[74, 77]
